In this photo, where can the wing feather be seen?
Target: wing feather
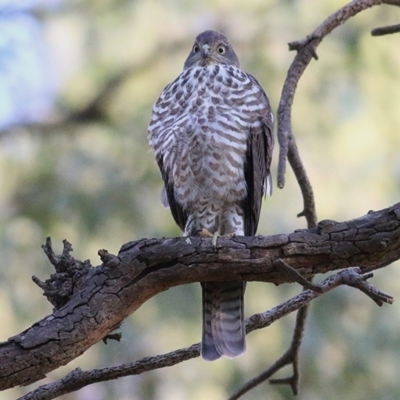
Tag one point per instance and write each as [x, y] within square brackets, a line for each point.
[260, 145]
[177, 211]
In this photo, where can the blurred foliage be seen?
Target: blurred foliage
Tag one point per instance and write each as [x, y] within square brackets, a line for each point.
[89, 177]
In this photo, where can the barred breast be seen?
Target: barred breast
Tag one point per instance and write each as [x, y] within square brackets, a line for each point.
[199, 128]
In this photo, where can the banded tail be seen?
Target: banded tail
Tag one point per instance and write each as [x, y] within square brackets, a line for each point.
[223, 320]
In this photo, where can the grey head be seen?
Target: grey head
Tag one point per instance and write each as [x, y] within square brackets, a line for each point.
[210, 48]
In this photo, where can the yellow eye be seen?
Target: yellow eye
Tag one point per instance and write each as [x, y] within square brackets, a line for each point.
[221, 49]
[196, 48]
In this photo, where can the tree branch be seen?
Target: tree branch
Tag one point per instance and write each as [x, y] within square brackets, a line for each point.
[386, 30]
[103, 297]
[351, 277]
[306, 50]
[78, 379]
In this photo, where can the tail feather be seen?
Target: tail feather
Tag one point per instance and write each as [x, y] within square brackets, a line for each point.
[208, 350]
[228, 322]
[223, 320]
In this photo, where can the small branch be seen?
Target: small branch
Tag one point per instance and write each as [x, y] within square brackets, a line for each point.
[306, 51]
[48, 250]
[351, 277]
[60, 286]
[392, 2]
[252, 383]
[386, 30]
[360, 282]
[309, 210]
[112, 336]
[290, 357]
[294, 275]
[77, 379]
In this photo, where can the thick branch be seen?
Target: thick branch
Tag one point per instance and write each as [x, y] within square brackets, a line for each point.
[77, 379]
[106, 295]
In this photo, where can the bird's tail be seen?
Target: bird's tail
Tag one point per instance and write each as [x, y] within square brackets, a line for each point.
[223, 320]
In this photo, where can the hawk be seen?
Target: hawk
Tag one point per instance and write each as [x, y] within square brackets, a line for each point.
[211, 131]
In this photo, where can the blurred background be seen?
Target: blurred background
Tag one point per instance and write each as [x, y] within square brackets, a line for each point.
[77, 82]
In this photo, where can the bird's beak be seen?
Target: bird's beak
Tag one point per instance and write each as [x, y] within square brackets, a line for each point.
[205, 49]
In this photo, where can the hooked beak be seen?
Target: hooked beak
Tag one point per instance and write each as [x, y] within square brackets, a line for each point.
[205, 49]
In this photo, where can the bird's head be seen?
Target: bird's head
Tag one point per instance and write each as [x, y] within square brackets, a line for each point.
[211, 47]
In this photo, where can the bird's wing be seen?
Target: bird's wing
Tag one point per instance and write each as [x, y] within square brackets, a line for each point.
[260, 145]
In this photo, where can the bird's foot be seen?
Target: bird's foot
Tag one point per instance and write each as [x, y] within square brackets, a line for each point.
[206, 233]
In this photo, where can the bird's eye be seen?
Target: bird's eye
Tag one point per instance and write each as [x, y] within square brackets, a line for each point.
[221, 49]
[196, 48]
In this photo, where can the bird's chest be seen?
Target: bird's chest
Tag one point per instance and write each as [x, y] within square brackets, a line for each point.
[210, 150]
[215, 115]
[214, 142]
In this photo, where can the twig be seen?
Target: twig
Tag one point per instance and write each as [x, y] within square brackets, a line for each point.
[386, 30]
[290, 357]
[360, 282]
[77, 379]
[112, 336]
[293, 274]
[392, 2]
[352, 277]
[48, 250]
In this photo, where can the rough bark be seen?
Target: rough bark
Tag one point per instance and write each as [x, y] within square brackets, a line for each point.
[107, 294]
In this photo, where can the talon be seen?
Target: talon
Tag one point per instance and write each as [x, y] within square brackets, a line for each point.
[206, 233]
[214, 239]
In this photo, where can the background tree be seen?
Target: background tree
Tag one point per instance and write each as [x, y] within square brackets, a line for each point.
[79, 80]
